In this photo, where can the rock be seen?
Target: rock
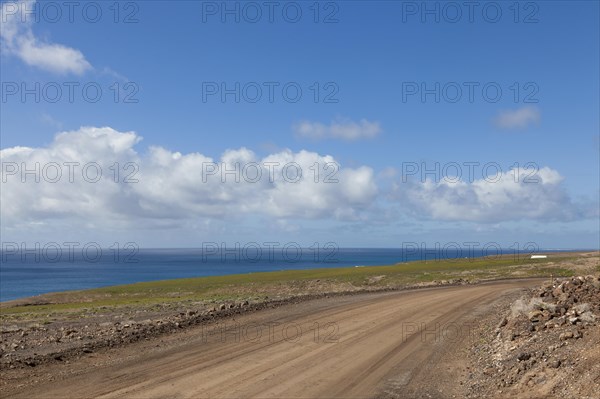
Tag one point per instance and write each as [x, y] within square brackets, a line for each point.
[535, 316]
[557, 291]
[222, 307]
[566, 335]
[10, 329]
[554, 364]
[523, 356]
[503, 322]
[588, 317]
[563, 311]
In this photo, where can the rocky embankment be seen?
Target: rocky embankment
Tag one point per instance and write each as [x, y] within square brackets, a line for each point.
[546, 345]
[31, 344]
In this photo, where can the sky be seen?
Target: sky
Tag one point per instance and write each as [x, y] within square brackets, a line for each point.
[362, 123]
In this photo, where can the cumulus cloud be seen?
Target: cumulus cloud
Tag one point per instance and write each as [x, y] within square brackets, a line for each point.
[513, 195]
[96, 178]
[338, 129]
[163, 185]
[17, 38]
[518, 119]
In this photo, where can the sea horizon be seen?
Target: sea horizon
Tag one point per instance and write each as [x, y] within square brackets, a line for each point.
[29, 274]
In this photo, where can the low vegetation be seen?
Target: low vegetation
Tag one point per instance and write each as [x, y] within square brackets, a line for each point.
[257, 287]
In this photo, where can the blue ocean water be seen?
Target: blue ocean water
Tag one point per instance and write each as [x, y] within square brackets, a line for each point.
[28, 274]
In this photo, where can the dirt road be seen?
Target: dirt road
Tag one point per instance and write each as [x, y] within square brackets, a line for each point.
[356, 346]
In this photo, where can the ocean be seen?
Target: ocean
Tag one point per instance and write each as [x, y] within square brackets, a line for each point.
[37, 272]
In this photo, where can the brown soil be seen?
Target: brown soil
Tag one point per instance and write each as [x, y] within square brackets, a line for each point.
[400, 344]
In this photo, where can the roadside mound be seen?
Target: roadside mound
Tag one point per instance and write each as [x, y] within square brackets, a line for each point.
[546, 345]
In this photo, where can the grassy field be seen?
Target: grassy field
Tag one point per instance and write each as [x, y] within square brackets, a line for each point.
[284, 284]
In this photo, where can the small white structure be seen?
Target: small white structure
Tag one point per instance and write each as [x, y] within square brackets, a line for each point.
[538, 256]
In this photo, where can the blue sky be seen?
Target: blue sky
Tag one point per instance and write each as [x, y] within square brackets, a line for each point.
[368, 57]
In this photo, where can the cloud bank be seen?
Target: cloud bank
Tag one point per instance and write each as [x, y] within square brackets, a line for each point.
[517, 194]
[96, 175]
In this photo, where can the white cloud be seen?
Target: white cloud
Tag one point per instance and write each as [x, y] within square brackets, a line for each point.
[518, 119]
[514, 195]
[176, 190]
[338, 129]
[17, 38]
[172, 186]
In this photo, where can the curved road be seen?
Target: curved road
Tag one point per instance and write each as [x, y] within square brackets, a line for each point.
[352, 346]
